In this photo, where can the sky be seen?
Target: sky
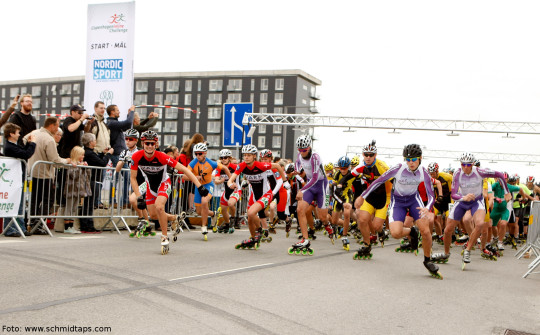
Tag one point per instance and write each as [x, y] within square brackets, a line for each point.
[467, 60]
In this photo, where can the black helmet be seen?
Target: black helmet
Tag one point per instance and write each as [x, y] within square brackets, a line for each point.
[412, 150]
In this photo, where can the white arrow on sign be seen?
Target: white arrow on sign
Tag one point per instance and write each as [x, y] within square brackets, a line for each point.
[234, 124]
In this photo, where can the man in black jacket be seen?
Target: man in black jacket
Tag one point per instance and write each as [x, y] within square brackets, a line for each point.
[12, 149]
[24, 118]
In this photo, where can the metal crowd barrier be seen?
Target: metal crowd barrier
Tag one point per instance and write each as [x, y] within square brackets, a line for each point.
[533, 238]
[22, 202]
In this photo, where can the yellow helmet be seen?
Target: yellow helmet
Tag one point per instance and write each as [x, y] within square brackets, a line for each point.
[329, 167]
[355, 161]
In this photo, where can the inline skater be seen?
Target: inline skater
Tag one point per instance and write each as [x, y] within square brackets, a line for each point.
[296, 183]
[260, 193]
[153, 166]
[279, 194]
[343, 200]
[467, 192]
[230, 196]
[443, 199]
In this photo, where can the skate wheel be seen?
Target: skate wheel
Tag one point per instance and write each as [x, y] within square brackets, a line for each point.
[304, 252]
[314, 237]
[132, 235]
[462, 266]
[205, 238]
[214, 230]
[290, 251]
[256, 246]
[494, 258]
[174, 239]
[164, 249]
[370, 255]
[398, 249]
[355, 256]
[298, 251]
[311, 252]
[269, 239]
[237, 246]
[153, 233]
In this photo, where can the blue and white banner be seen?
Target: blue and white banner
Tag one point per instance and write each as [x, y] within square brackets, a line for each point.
[11, 187]
[109, 56]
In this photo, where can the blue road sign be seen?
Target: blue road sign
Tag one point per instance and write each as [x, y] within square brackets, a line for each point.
[233, 130]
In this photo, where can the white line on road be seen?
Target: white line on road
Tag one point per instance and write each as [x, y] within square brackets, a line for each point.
[19, 241]
[224, 271]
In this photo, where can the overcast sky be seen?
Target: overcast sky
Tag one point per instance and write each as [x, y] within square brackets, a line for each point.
[473, 60]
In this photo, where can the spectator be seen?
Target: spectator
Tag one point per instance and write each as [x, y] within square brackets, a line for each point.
[58, 136]
[77, 185]
[43, 175]
[9, 111]
[12, 149]
[144, 125]
[96, 176]
[72, 128]
[196, 138]
[24, 117]
[117, 130]
[183, 157]
[99, 128]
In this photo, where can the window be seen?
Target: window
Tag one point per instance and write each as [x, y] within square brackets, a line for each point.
[157, 127]
[280, 83]
[261, 142]
[4, 93]
[261, 129]
[213, 140]
[159, 111]
[170, 139]
[76, 88]
[141, 99]
[158, 99]
[187, 115]
[173, 85]
[13, 92]
[197, 126]
[278, 99]
[214, 113]
[171, 99]
[185, 127]
[185, 138]
[277, 128]
[235, 85]
[198, 99]
[214, 99]
[234, 97]
[214, 127]
[66, 102]
[53, 89]
[276, 141]
[199, 85]
[253, 84]
[277, 153]
[304, 101]
[278, 110]
[215, 85]
[36, 104]
[264, 84]
[141, 86]
[76, 100]
[170, 127]
[188, 85]
[187, 99]
[36, 91]
[66, 89]
[264, 99]
[304, 87]
[262, 110]
[143, 113]
[171, 113]
[252, 97]
[159, 86]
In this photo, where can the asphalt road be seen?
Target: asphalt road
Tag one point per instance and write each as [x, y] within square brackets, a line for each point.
[110, 280]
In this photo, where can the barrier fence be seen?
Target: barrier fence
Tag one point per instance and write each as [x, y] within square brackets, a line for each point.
[18, 168]
[533, 239]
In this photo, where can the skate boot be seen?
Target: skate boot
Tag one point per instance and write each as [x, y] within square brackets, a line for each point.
[230, 227]
[466, 259]
[164, 245]
[462, 240]
[214, 220]
[404, 240]
[440, 257]
[439, 239]
[318, 225]
[433, 269]
[412, 245]
[204, 231]
[513, 242]
[298, 230]
[465, 247]
[272, 229]
[363, 253]
[330, 232]
[345, 242]
[311, 234]
[140, 228]
[223, 228]
[250, 243]
[265, 237]
[177, 225]
[339, 231]
[373, 239]
[302, 247]
[383, 236]
[148, 230]
[287, 227]
[490, 253]
[500, 246]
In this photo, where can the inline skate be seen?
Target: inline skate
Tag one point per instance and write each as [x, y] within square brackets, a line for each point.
[272, 226]
[412, 245]
[363, 253]
[466, 259]
[204, 231]
[487, 254]
[250, 243]
[302, 247]
[164, 245]
[345, 242]
[264, 236]
[440, 257]
[141, 227]
[287, 227]
[433, 269]
[330, 232]
[318, 225]
[462, 240]
[311, 234]
[383, 236]
[176, 226]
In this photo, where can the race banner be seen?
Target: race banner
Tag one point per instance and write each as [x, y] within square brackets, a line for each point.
[11, 187]
[109, 56]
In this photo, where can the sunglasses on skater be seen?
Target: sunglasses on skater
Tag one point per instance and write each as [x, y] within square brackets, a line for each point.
[199, 153]
[150, 144]
[466, 164]
[414, 159]
[303, 150]
[369, 155]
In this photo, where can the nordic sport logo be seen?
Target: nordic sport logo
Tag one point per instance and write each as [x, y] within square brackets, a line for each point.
[108, 69]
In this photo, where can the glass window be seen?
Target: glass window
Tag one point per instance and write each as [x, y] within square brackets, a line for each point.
[141, 86]
[199, 85]
[188, 85]
[277, 153]
[252, 97]
[66, 102]
[170, 127]
[76, 100]
[143, 112]
[198, 99]
[13, 92]
[276, 141]
[53, 89]
[36, 91]
[280, 83]
[277, 128]
[173, 85]
[187, 115]
[278, 99]
[214, 127]
[263, 110]
[186, 126]
[24, 90]
[304, 87]
[261, 129]
[234, 97]
[234, 85]
[214, 99]
[159, 86]
[261, 142]
[66, 89]
[141, 99]
[278, 110]
[185, 138]
[171, 99]
[215, 85]
[76, 88]
[214, 113]
[3, 92]
[171, 113]
[157, 127]
[36, 103]
[170, 139]
[264, 99]
[213, 140]
[187, 99]
[253, 84]
[264, 84]
[197, 126]
[158, 99]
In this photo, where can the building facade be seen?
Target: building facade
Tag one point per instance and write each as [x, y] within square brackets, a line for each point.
[279, 91]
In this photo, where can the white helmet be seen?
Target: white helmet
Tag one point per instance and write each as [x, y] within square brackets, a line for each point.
[200, 147]
[225, 153]
[370, 148]
[466, 157]
[249, 149]
[303, 142]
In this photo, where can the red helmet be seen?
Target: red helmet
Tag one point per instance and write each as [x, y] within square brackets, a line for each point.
[530, 179]
[265, 153]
